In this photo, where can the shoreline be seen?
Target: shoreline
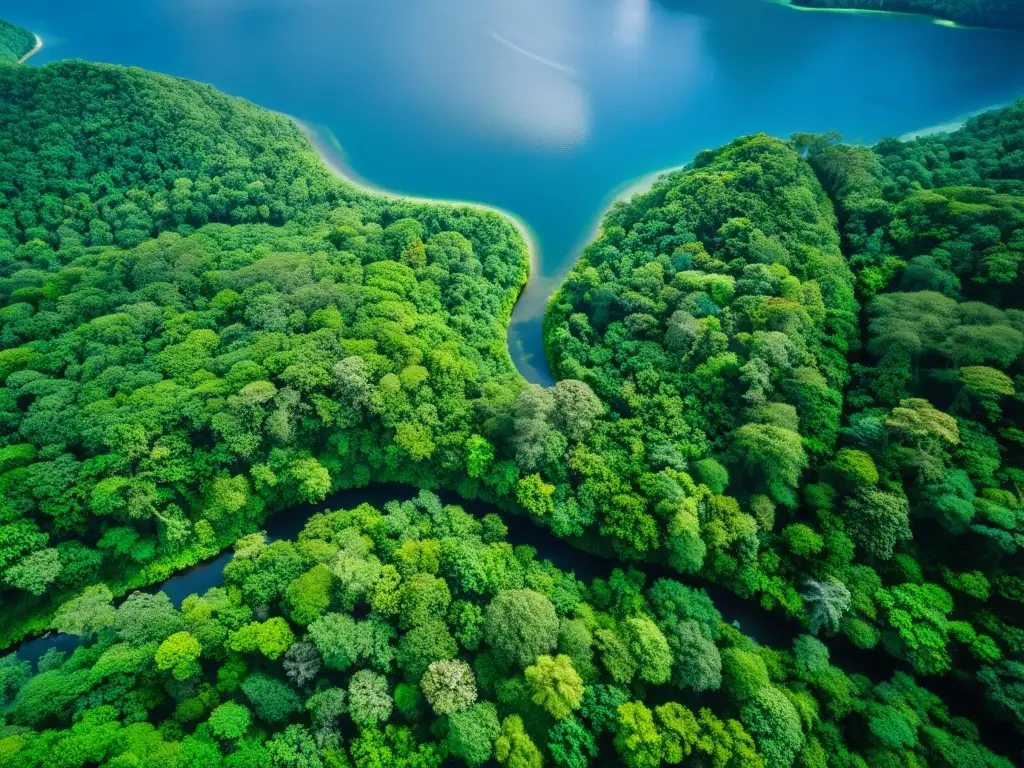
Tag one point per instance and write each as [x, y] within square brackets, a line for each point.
[624, 193]
[953, 125]
[539, 290]
[34, 51]
[937, 20]
[531, 309]
[331, 154]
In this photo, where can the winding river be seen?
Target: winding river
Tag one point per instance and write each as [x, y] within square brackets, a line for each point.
[771, 629]
[548, 109]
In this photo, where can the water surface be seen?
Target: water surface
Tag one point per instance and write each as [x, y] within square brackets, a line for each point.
[544, 107]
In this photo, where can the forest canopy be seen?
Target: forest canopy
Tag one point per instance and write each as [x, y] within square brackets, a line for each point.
[417, 636]
[201, 325]
[792, 368]
[853, 417]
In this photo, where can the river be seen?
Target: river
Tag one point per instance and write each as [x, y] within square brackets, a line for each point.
[288, 524]
[770, 629]
[545, 107]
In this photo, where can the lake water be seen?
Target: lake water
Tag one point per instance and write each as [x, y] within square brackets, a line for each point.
[546, 107]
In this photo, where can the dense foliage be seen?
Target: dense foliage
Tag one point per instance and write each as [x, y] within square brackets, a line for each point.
[416, 635]
[166, 379]
[15, 42]
[1004, 14]
[714, 310]
[95, 155]
[934, 229]
[200, 326]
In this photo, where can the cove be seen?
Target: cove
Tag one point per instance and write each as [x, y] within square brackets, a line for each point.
[543, 108]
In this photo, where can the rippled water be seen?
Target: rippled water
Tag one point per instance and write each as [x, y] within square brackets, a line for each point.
[545, 107]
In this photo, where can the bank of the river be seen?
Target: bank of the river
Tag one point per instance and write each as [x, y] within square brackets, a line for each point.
[549, 288]
[766, 628]
[332, 154]
[38, 47]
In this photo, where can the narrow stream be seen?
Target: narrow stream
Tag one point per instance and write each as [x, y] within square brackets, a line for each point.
[764, 627]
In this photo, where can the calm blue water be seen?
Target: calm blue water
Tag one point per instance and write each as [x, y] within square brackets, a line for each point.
[544, 107]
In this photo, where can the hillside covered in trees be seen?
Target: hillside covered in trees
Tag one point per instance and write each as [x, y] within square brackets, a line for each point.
[1000, 14]
[791, 369]
[15, 42]
[713, 311]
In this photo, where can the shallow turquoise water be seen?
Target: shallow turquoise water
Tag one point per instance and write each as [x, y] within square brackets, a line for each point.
[545, 107]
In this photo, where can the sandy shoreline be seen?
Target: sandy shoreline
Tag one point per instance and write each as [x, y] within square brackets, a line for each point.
[539, 289]
[623, 193]
[331, 153]
[33, 52]
[953, 125]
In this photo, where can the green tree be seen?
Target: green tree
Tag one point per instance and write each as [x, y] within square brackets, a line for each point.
[1004, 688]
[514, 748]
[826, 602]
[309, 596]
[472, 733]
[86, 614]
[679, 731]
[556, 685]
[144, 618]
[302, 663]
[520, 626]
[369, 701]
[449, 686]
[271, 638]
[340, 639]
[744, 673]
[878, 521]
[637, 740]
[179, 654]
[14, 672]
[576, 408]
[649, 648]
[776, 454]
[422, 645]
[775, 725]
[230, 721]
[35, 572]
[325, 707]
[697, 663]
[570, 744]
[272, 700]
[294, 747]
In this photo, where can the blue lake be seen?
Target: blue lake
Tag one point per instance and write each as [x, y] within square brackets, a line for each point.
[546, 107]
